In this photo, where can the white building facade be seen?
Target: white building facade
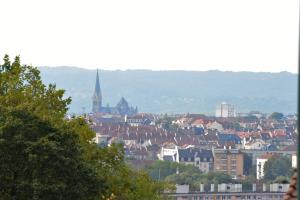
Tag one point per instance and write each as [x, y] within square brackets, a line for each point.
[225, 110]
[294, 161]
[260, 163]
[169, 152]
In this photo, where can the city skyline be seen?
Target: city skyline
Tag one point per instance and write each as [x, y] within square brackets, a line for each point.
[160, 99]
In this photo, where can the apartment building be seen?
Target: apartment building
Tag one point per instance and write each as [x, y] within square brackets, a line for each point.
[229, 161]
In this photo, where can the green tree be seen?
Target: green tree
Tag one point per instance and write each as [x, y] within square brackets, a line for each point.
[39, 161]
[212, 178]
[282, 179]
[159, 170]
[41, 157]
[21, 88]
[276, 116]
[277, 166]
[166, 122]
[188, 178]
[247, 183]
[44, 156]
[177, 173]
[248, 167]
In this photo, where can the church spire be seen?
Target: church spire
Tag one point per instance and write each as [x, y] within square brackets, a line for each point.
[97, 85]
[97, 98]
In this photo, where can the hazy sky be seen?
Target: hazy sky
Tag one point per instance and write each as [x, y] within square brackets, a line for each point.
[238, 35]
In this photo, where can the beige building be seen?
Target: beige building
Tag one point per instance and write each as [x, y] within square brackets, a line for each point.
[229, 161]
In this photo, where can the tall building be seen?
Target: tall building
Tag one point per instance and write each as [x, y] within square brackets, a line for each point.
[97, 98]
[260, 164]
[122, 108]
[229, 161]
[225, 110]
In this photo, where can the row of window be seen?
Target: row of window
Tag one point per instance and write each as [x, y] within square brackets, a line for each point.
[191, 159]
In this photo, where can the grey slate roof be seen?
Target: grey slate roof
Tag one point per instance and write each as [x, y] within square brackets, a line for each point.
[193, 153]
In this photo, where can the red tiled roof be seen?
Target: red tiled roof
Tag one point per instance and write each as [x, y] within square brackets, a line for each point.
[278, 133]
[198, 122]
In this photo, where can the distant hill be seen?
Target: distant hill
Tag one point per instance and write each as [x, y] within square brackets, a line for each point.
[178, 91]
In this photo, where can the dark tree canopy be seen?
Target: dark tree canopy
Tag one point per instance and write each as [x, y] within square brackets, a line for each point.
[44, 156]
[276, 167]
[276, 115]
[177, 173]
[39, 161]
[247, 164]
[159, 170]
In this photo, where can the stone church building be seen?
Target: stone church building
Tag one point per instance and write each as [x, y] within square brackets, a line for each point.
[122, 108]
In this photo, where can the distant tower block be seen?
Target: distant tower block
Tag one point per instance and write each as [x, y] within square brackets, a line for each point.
[97, 98]
[225, 110]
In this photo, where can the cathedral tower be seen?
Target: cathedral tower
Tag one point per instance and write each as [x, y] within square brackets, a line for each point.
[97, 98]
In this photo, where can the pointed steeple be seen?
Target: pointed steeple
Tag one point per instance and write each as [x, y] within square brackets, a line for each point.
[97, 84]
[97, 98]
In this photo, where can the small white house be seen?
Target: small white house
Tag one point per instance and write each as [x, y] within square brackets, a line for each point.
[258, 144]
[215, 126]
[260, 163]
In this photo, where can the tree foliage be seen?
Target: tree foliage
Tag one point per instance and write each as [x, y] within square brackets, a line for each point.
[277, 166]
[39, 161]
[282, 179]
[159, 170]
[44, 156]
[248, 167]
[21, 88]
[177, 173]
[276, 116]
[166, 122]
